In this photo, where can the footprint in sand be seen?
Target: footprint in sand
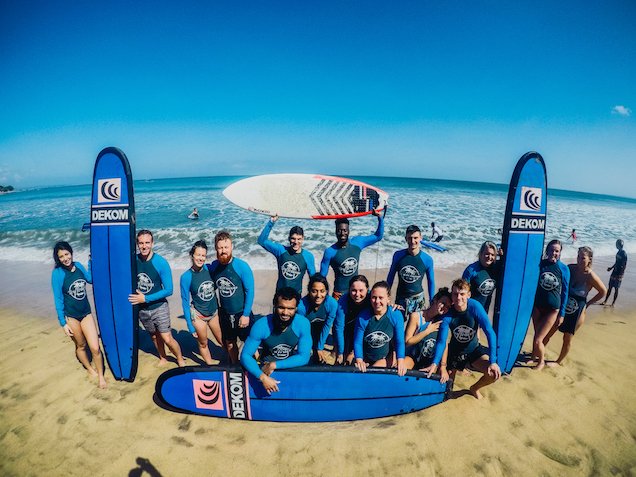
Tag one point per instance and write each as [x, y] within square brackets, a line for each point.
[567, 380]
[181, 441]
[561, 458]
[620, 322]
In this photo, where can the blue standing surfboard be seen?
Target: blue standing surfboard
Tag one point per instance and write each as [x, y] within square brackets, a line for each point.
[114, 265]
[522, 243]
[306, 394]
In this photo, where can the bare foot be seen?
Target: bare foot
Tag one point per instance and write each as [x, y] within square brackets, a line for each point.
[539, 366]
[553, 364]
[162, 363]
[91, 372]
[476, 394]
[181, 362]
[467, 372]
[102, 383]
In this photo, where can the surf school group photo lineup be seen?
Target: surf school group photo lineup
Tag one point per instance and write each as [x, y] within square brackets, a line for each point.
[347, 321]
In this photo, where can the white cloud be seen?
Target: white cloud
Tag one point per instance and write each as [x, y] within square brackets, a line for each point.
[621, 110]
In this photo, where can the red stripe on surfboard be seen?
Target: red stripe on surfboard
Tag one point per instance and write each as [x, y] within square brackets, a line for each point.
[349, 181]
[344, 216]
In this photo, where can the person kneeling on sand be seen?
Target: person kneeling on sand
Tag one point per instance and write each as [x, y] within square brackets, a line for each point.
[285, 337]
[464, 320]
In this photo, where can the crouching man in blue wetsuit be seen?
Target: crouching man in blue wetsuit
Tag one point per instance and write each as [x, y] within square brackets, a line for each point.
[292, 262]
[464, 320]
[285, 337]
[154, 285]
[344, 255]
[234, 280]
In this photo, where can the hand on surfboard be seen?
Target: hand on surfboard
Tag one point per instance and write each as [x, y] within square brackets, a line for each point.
[361, 365]
[137, 298]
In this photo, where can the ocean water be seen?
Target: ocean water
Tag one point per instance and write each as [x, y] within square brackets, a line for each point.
[31, 221]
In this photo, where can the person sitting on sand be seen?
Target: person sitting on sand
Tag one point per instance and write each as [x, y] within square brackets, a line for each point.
[412, 265]
[154, 285]
[464, 320]
[292, 261]
[320, 309]
[68, 281]
[285, 337]
[483, 274]
[198, 300]
[618, 270]
[344, 255]
[234, 280]
[374, 331]
[550, 299]
[582, 280]
[422, 331]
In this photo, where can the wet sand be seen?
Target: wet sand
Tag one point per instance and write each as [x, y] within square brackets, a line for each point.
[579, 419]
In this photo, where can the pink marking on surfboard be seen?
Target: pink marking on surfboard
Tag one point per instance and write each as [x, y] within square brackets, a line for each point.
[350, 181]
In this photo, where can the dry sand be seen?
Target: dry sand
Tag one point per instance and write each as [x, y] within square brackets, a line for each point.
[579, 419]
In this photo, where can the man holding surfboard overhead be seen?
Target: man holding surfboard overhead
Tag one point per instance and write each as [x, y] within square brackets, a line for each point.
[154, 285]
[234, 280]
[292, 261]
[344, 255]
[411, 265]
[285, 337]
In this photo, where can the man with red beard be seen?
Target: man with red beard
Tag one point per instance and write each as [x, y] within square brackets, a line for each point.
[235, 282]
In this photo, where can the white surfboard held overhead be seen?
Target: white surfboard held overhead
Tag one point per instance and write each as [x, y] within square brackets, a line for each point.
[306, 196]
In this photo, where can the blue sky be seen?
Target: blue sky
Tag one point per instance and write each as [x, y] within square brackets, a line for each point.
[450, 90]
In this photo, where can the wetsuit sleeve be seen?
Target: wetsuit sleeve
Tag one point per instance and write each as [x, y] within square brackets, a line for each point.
[260, 331]
[311, 263]
[393, 270]
[367, 240]
[442, 337]
[272, 247]
[163, 269]
[87, 272]
[302, 328]
[484, 323]
[247, 277]
[57, 282]
[398, 332]
[331, 307]
[185, 282]
[358, 336]
[427, 260]
[326, 259]
[469, 273]
[339, 324]
[302, 309]
[565, 286]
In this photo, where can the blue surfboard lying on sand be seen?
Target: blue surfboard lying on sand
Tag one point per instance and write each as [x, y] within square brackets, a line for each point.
[306, 394]
[522, 243]
[114, 265]
[433, 245]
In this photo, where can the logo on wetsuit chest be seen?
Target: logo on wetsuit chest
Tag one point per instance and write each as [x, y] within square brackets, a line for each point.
[281, 351]
[549, 281]
[427, 348]
[290, 270]
[486, 287]
[206, 291]
[348, 267]
[226, 287]
[572, 307]
[77, 289]
[144, 283]
[464, 333]
[377, 339]
[410, 274]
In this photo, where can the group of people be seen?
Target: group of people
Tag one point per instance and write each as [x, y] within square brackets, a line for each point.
[423, 328]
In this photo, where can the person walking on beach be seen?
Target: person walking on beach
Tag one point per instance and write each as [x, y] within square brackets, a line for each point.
[285, 337]
[412, 265]
[582, 280]
[438, 234]
[198, 300]
[292, 261]
[234, 280]
[154, 286]
[550, 299]
[68, 281]
[344, 255]
[618, 270]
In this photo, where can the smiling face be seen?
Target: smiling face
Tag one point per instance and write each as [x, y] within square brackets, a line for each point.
[144, 243]
[487, 256]
[296, 242]
[553, 253]
[358, 291]
[342, 233]
[317, 293]
[584, 260]
[442, 305]
[413, 242]
[199, 257]
[285, 309]
[223, 251]
[66, 258]
[460, 298]
[379, 300]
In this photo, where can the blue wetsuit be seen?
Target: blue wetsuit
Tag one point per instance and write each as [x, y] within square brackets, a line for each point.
[483, 281]
[321, 319]
[552, 290]
[154, 280]
[200, 286]
[345, 322]
[411, 270]
[464, 347]
[345, 260]
[372, 337]
[69, 292]
[279, 346]
[424, 351]
[291, 266]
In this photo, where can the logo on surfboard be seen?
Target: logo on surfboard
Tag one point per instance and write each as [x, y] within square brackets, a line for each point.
[109, 190]
[207, 394]
[531, 198]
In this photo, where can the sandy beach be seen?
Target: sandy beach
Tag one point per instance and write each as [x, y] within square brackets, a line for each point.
[579, 419]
